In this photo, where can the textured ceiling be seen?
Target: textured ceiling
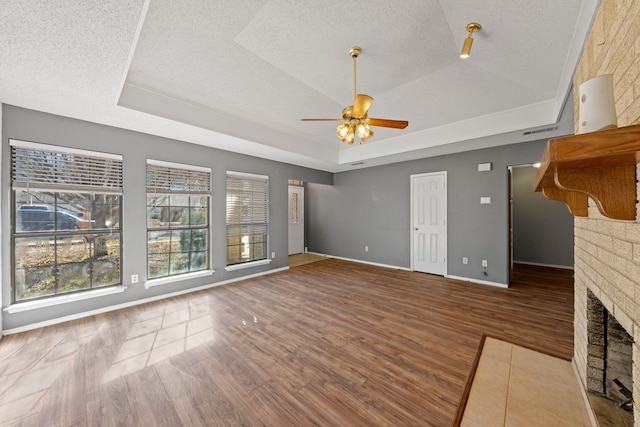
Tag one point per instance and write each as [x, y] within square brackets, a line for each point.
[240, 75]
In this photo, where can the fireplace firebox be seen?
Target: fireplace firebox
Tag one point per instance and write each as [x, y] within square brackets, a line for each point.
[609, 355]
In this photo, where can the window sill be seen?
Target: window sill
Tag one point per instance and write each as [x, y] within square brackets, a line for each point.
[247, 265]
[178, 278]
[63, 299]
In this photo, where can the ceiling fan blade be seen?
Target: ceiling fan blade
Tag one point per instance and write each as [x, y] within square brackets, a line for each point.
[321, 120]
[361, 105]
[397, 124]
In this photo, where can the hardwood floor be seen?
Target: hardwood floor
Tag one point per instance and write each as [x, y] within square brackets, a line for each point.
[329, 343]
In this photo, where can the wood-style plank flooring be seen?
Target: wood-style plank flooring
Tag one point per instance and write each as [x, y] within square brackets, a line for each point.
[333, 343]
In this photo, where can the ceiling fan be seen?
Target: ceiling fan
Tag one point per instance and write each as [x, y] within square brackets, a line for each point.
[354, 117]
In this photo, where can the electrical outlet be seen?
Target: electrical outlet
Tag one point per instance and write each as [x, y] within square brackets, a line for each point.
[484, 262]
[134, 278]
[366, 248]
[465, 260]
[273, 255]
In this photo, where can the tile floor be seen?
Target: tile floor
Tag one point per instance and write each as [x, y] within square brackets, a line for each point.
[509, 378]
[302, 259]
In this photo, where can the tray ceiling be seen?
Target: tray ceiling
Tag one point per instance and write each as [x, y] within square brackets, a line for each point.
[240, 75]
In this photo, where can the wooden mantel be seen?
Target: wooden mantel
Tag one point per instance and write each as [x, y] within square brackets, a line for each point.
[600, 165]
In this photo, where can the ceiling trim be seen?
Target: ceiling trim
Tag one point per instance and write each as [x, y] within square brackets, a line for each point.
[132, 49]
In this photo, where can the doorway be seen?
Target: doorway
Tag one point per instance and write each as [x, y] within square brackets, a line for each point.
[540, 230]
[429, 223]
[510, 222]
[296, 219]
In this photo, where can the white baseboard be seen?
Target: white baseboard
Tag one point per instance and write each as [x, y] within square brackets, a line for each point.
[395, 267]
[133, 303]
[482, 282]
[465, 279]
[537, 264]
[317, 254]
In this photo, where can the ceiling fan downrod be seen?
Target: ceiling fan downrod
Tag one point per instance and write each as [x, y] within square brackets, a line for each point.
[355, 52]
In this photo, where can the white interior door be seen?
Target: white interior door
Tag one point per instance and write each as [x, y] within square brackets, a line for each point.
[429, 223]
[296, 220]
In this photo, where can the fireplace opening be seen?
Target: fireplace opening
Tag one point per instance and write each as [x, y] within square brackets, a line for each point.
[609, 356]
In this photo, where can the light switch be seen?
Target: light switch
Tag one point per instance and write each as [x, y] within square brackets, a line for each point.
[484, 167]
[485, 200]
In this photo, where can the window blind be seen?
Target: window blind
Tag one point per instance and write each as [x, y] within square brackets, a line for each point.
[45, 168]
[163, 178]
[247, 217]
[247, 199]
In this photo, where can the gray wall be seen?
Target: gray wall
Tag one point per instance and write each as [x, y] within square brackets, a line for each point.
[371, 207]
[345, 211]
[136, 148]
[542, 228]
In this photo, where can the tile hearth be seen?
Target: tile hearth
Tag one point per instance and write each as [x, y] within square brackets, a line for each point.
[514, 386]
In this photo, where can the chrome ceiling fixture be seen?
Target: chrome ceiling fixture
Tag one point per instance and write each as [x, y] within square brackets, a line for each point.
[468, 42]
[354, 117]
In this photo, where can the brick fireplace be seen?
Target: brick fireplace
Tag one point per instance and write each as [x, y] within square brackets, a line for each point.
[607, 252]
[609, 355]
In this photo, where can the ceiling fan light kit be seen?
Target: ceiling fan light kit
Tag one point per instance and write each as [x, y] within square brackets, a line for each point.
[468, 42]
[347, 131]
[354, 117]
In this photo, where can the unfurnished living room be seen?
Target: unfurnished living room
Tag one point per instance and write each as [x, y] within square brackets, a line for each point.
[278, 213]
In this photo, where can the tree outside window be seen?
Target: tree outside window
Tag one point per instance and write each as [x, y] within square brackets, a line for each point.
[66, 220]
[177, 219]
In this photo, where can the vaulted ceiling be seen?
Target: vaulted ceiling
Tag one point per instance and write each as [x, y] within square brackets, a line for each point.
[239, 75]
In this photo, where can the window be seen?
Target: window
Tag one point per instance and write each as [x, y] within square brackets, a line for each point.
[177, 219]
[247, 217]
[66, 220]
[294, 208]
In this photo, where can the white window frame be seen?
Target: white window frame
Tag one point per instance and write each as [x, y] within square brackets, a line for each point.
[87, 176]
